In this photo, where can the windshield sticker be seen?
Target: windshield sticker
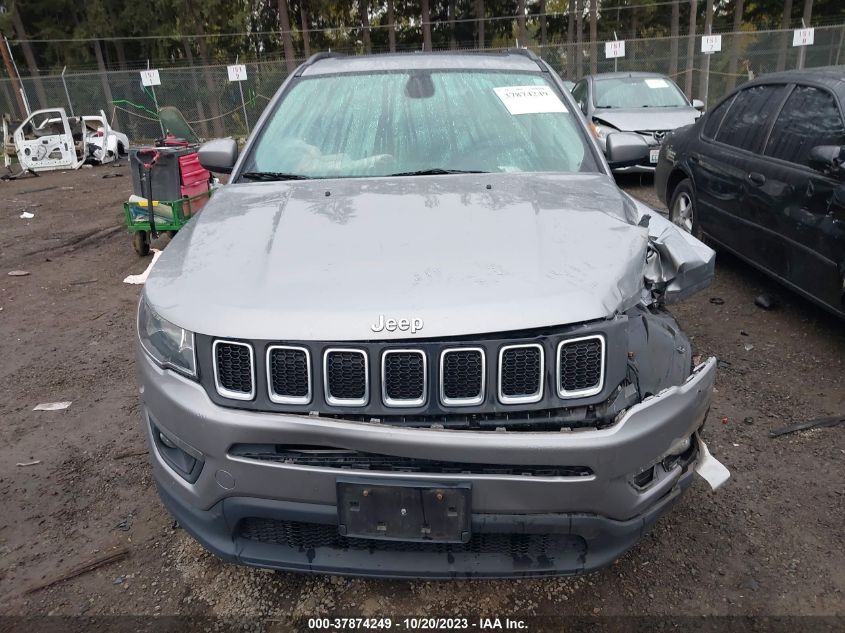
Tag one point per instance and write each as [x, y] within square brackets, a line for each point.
[529, 99]
[657, 83]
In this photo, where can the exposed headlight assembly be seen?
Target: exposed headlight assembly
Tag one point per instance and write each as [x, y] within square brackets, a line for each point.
[167, 344]
[602, 131]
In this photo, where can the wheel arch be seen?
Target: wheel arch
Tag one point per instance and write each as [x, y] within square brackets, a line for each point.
[677, 175]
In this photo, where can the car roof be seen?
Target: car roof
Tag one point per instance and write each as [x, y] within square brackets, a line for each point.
[620, 75]
[832, 76]
[329, 64]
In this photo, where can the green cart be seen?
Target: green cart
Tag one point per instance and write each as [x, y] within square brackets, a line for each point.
[170, 216]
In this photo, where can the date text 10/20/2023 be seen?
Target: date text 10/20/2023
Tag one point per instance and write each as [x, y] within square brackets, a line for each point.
[417, 624]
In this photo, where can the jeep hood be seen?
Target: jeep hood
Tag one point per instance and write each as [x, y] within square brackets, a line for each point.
[467, 254]
[639, 119]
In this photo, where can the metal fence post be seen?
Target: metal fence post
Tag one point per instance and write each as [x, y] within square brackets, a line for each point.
[67, 94]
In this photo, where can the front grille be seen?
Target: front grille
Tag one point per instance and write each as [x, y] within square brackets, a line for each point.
[524, 378]
[308, 536]
[323, 457]
[403, 374]
[580, 366]
[462, 375]
[346, 381]
[233, 370]
[289, 372]
[521, 373]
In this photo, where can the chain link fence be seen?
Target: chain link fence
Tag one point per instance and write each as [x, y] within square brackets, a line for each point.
[212, 104]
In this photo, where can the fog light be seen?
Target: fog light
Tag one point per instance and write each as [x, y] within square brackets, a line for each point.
[166, 440]
[644, 478]
[185, 461]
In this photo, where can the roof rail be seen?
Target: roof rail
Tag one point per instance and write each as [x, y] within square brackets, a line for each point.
[525, 52]
[317, 57]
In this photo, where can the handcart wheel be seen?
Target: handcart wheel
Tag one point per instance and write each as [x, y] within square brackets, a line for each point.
[141, 243]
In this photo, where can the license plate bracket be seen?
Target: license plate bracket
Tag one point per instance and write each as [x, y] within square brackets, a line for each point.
[406, 511]
[653, 155]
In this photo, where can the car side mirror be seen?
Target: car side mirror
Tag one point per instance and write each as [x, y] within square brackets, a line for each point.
[698, 104]
[625, 148]
[219, 155]
[827, 158]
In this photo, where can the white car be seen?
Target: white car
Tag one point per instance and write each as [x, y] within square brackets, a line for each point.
[50, 140]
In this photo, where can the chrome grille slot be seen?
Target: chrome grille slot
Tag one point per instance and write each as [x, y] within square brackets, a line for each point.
[580, 366]
[345, 377]
[289, 374]
[521, 371]
[234, 370]
[404, 378]
[462, 376]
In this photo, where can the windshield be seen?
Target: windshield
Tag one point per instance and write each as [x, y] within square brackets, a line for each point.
[398, 123]
[637, 92]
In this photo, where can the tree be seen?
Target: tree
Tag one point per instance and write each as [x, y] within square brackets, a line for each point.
[364, 13]
[391, 26]
[453, 40]
[426, 25]
[520, 20]
[287, 40]
[479, 14]
[303, 16]
[194, 14]
[786, 20]
[673, 38]
[570, 40]
[739, 5]
[593, 37]
[544, 37]
[29, 56]
[579, 31]
[693, 10]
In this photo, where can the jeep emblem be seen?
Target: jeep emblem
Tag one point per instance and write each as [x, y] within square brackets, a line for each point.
[403, 325]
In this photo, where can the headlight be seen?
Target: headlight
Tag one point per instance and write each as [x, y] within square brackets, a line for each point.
[167, 344]
[601, 131]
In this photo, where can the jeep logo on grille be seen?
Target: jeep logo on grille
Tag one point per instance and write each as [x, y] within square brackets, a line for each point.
[403, 325]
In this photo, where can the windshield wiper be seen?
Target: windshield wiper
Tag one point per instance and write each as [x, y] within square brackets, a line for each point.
[437, 171]
[273, 175]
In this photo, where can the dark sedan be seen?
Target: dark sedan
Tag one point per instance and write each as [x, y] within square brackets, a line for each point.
[761, 175]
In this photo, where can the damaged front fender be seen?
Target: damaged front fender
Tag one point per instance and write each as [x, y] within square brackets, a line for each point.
[677, 264]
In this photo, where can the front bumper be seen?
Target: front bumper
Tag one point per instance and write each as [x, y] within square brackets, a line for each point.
[521, 525]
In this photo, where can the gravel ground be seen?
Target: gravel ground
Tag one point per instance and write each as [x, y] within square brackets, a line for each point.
[769, 543]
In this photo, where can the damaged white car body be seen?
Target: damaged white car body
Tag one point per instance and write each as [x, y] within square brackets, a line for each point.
[49, 140]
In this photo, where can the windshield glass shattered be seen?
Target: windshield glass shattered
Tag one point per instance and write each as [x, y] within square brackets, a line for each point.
[417, 123]
[637, 92]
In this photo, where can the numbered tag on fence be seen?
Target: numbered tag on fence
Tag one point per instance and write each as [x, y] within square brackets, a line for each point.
[711, 43]
[150, 78]
[803, 37]
[614, 49]
[237, 72]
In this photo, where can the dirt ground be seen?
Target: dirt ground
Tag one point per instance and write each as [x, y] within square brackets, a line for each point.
[768, 543]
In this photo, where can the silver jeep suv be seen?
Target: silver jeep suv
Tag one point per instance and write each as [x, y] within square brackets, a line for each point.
[421, 332]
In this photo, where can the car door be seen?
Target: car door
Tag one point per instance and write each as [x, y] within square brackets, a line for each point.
[804, 206]
[721, 167]
[44, 141]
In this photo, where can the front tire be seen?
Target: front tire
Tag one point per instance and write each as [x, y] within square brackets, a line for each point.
[683, 210]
